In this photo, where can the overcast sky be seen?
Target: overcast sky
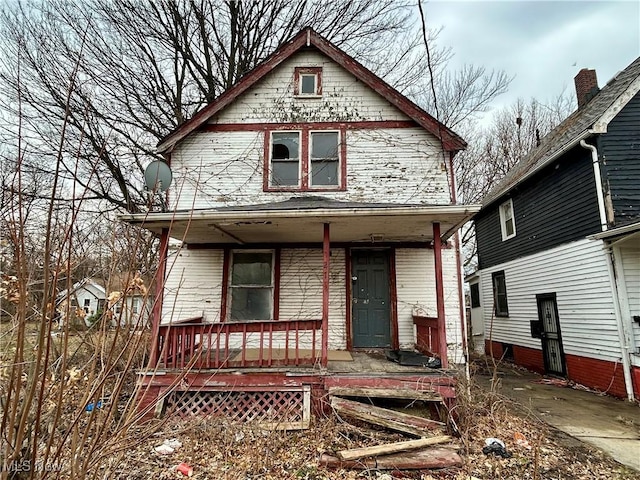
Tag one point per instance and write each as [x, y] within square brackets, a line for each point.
[543, 44]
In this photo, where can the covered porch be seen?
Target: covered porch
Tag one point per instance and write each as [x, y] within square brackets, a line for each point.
[303, 223]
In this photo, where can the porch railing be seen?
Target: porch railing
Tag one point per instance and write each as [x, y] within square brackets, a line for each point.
[195, 344]
[427, 336]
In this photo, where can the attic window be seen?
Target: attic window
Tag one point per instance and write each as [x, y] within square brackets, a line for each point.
[507, 220]
[307, 82]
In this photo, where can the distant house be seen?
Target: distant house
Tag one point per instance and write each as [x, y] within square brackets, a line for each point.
[129, 300]
[559, 245]
[87, 295]
[316, 211]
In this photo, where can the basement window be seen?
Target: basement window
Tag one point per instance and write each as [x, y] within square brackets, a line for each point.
[251, 286]
[507, 220]
[501, 307]
[308, 82]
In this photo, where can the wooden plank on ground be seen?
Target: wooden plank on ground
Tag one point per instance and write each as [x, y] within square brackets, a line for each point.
[357, 453]
[400, 393]
[397, 421]
[416, 460]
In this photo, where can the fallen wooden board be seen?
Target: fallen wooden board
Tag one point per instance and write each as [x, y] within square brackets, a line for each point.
[400, 393]
[417, 460]
[397, 421]
[389, 448]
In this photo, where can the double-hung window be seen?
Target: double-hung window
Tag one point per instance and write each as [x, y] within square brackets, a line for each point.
[305, 160]
[507, 220]
[251, 285]
[285, 159]
[501, 307]
[324, 159]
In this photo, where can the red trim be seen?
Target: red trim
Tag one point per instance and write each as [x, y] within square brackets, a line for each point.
[276, 284]
[442, 327]
[297, 71]
[226, 261]
[393, 290]
[267, 161]
[349, 303]
[259, 127]
[343, 158]
[304, 158]
[308, 37]
[161, 272]
[326, 254]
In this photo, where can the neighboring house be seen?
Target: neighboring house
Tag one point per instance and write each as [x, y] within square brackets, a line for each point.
[316, 211]
[87, 294]
[475, 315]
[559, 245]
[130, 300]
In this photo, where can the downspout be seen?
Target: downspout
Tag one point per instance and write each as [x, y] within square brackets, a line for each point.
[598, 179]
[622, 330]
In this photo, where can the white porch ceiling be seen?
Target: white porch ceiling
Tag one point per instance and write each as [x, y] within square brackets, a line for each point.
[392, 224]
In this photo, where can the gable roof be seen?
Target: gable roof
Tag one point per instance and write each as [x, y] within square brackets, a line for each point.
[85, 283]
[306, 38]
[592, 118]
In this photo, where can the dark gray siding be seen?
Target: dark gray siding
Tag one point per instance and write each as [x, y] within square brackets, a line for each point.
[619, 151]
[556, 206]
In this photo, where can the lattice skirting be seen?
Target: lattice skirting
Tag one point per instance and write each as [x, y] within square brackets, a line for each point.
[280, 409]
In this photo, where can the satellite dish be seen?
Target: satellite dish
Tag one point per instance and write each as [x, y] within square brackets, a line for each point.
[157, 176]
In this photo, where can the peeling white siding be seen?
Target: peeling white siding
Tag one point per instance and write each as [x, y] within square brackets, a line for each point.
[193, 285]
[344, 97]
[213, 169]
[301, 290]
[416, 286]
[577, 273]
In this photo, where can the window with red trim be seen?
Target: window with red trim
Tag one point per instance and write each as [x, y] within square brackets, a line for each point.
[307, 82]
[304, 160]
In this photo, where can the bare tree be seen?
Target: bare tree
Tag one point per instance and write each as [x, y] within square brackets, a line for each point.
[146, 67]
[494, 149]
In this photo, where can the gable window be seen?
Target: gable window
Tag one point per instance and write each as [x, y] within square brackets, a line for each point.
[500, 294]
[251, 286]
[305, 160]
[285, 159]
[87, 304]
[507, 220]
[307, 82]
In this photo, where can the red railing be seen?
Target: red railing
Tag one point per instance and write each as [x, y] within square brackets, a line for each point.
[194, 344]
[428, 339]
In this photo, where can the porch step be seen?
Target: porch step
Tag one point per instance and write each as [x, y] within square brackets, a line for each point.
[399, 393]
[281, 408]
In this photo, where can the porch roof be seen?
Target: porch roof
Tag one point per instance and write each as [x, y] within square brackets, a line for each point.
[300, 220]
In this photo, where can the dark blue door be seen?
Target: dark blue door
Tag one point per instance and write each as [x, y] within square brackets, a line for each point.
[370, 314]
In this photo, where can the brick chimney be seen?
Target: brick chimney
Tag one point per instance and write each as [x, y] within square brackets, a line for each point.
[586, 86]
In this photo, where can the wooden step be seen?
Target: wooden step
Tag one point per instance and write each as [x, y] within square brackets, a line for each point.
[397, 421]
[400, 393]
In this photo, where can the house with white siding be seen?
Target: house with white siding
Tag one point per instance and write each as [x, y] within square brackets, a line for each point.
[313, 222]
[559, 245]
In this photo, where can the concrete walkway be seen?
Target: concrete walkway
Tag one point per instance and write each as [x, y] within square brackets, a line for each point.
[607, 423]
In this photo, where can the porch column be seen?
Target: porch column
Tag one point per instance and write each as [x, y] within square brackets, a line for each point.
[326, 253]
[156, 311]
[442, 325]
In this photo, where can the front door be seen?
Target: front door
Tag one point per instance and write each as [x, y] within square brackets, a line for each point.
[552, 351]
[370, 314]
